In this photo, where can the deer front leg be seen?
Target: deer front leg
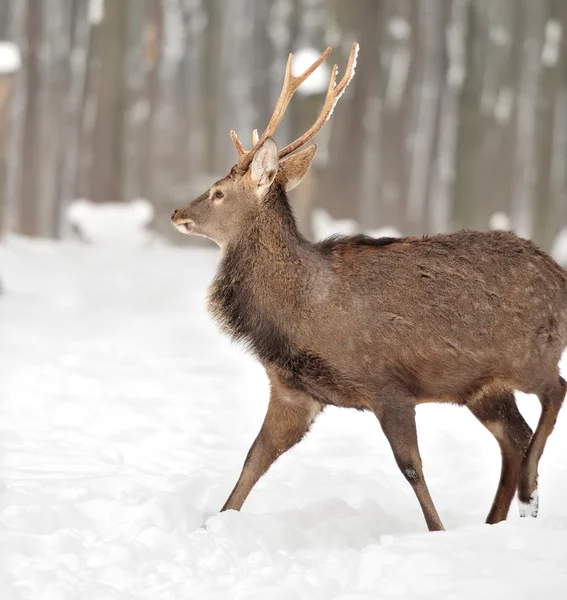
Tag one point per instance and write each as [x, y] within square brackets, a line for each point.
[398, 424]
[290, 413]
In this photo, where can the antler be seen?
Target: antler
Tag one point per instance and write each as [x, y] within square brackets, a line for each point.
[334, 92]
[290, 85]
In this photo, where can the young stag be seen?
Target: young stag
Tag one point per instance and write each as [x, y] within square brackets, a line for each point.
[380, 324]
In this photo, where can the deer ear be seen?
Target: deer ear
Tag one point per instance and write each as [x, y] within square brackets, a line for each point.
[264, 165]
[294, 167]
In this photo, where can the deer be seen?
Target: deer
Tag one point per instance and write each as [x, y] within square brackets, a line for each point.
[380, 325]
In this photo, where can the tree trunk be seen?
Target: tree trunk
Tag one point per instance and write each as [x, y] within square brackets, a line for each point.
[343, 184]
[29, 217]
[6, 86]
[107, 172]
[153, 41]
[546, 218]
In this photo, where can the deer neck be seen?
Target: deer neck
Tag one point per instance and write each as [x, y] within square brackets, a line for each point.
[261, 278]
[270, 257]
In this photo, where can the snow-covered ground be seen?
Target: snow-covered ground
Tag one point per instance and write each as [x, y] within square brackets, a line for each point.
[124, 421]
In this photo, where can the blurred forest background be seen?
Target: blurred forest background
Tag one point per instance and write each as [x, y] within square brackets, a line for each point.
[458, 109]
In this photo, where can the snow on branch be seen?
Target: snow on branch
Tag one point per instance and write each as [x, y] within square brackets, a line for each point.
[317, 82]
[10, 58]
[552, 45]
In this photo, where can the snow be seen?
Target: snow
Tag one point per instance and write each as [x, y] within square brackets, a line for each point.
[318, 81]
[552, 45]
[125, 418]
[10, 58]
[504, 105]
[324, 225]
[399, 28]
[174, 42]
[559, 247]
[456, 52]
[96, 11]
[530, 508]
[500, 220]
[116, 223]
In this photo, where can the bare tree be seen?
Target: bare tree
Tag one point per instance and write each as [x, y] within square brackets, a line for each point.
[458, 110]
[107, 172]
[153, 32]
[29, 218]
[6, 87]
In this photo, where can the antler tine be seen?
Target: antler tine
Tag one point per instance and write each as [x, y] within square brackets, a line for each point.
[290, 85]
[238, 144]
[334, 92]
[239, 147]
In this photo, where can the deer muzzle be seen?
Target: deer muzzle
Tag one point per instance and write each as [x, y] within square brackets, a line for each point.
[182, 224]
[181, 221]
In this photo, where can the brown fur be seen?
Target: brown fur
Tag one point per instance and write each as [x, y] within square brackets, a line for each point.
[384, 325]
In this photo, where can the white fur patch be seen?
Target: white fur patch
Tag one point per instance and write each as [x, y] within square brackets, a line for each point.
[185, 228]
[530, 509]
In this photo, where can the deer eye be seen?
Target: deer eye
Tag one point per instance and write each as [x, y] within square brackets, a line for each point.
[218, 195]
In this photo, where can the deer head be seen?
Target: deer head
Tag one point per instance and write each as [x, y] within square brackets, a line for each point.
[224, 212]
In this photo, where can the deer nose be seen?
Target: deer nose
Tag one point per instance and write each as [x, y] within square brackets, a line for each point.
[173, 214]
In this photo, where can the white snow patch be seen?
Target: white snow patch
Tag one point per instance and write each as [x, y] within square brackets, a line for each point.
[399, 28]
[456, 74]
[387, 231]
[500, 220]
[559, 247]
[10, 58]
[174, 33]
[116, 223]
[318, 81]
[96, 11]
[124, 421]
[504, 105]
[324, 225]
[530, 508]
[552, 44]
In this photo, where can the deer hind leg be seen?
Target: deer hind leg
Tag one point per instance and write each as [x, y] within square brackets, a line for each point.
[551, 399]
[500, 415]
[290, 414]
[398, 425]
